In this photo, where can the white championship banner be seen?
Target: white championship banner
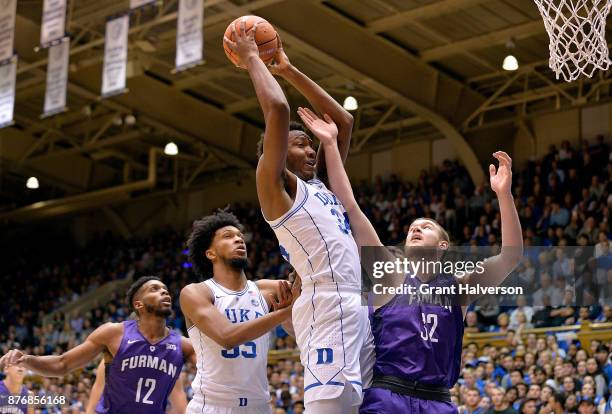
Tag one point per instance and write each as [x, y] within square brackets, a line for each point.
[57, 78]
[189, 42]
[134, 4]
[8, 9]
[115, 56]
[8, 74]
[53, 26]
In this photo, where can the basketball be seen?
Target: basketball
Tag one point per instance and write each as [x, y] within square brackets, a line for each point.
[265, 37]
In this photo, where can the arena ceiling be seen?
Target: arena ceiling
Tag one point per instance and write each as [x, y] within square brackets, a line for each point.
[421, 69]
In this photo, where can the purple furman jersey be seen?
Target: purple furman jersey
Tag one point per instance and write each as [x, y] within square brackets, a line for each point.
[142, 375]
[417, 338]
[21, 407]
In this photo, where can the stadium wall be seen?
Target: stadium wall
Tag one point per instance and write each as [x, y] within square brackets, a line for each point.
[142, 217]
[573, 125]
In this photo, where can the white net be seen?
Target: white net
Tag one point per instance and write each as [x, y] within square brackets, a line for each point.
[577, 32]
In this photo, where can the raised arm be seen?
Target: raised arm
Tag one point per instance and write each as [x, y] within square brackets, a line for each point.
[272, 196]
[325, 129]
[497, 268]
[363, 231]
[321, 101]
[197, 305]
[77, 357]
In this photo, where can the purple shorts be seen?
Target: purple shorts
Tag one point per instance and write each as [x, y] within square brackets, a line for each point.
[383, 401]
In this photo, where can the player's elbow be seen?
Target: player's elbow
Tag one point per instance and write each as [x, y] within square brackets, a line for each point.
[228, 338]
[279, 107]
[61, 368]
[346, 121]
[223, 340]
[228, 343]
[512, 256]
[504, 263]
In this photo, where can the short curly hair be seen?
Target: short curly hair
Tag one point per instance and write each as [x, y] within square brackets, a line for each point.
[293, 126]
[135, 287]
[201, 238]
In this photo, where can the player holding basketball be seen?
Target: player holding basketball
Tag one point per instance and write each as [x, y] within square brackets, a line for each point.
[13, 394]
[229, 320]
[331, 326]
[143, 357]
[418, 347]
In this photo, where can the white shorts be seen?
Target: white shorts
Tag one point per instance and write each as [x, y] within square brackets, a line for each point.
[198, 408]
[340, 405]
[335, 340]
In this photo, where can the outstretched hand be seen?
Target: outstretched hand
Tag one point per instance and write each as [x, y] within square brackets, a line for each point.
[244, 42]
[501, 179]
[325, 129]
[13, 357]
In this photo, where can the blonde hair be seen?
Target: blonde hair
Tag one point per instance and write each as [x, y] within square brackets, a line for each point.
[443, 233]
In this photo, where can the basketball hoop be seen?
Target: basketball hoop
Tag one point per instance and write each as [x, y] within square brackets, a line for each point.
[577, 32]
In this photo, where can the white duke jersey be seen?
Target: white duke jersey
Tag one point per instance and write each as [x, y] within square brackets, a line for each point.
[231, 377]
[315, 237]
[331, 327]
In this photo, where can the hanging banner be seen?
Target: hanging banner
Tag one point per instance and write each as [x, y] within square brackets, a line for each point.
[115, 56]
[53, 26]
[134, 4]
[57, 78]
[8, 9]
[8, 74]
[189, 42]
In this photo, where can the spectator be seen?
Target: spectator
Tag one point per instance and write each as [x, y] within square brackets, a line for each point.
[529, 406]
[472, 401]
[589, 230]
[602, 239]
[587, 406]
[471, 321]
[554, 295]
[527, 311]
[542, 316]
[593, 369]
[500, 405]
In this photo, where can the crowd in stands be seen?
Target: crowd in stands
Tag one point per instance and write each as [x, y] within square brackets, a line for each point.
[563, 200]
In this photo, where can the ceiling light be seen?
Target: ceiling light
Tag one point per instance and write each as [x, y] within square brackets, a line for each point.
[350, 103]
[129, 119]
[32, 183]
[171, 149]
[510, 63]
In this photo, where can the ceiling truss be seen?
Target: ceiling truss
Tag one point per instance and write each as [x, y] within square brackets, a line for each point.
[451, 87]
